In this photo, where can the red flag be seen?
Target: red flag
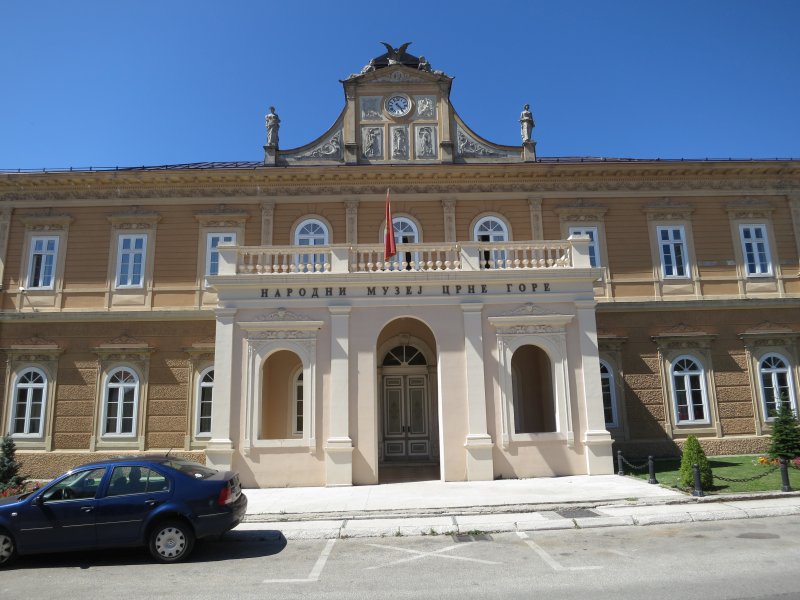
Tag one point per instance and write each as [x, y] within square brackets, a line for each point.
[389, 248]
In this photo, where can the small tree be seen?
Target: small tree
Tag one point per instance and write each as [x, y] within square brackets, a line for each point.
[693, 455]
[9, 467]
[785, 436]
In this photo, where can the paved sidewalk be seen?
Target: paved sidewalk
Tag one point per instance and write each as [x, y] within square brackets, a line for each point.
[435, 507]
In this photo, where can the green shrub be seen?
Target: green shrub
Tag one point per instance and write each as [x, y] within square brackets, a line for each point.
[9, 467]
[693, 455]
[785, 436]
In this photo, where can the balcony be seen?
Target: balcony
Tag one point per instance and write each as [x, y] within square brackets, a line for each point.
[572, 253]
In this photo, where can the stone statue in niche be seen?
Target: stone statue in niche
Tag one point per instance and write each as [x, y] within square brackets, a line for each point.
[425, 142]
[273, 123]
[372, 142]
[526, 124]
[399, 143]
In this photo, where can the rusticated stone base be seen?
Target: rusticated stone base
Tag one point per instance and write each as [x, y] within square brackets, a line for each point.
[711, 446]
[46, 465]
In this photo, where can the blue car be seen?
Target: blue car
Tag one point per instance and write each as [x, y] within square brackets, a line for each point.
[164, 503]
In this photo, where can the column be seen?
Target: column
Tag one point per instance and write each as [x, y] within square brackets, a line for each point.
[599, 460]
[267, 212]
[219, 450]
[478, 443]
[535, 206]
[351, 223]
[339, 446]
[5, 225]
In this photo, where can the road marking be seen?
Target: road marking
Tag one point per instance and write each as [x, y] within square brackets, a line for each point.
[417, 554]
[552, 562]
[316, 570]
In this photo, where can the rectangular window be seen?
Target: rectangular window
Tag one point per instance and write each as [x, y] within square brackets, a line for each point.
[131, 260]
[204, 421]
[591, 233]
[44, 251]
[672, 248]
[212, 254]
[298, 406]
[689, 395]
[755, 250]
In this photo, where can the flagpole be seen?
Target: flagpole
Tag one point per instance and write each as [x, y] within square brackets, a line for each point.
[389, 245]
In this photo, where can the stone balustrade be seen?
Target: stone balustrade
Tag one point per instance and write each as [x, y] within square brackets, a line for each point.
[368, 258]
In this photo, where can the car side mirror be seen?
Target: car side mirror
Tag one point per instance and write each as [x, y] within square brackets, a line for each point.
[39, 500]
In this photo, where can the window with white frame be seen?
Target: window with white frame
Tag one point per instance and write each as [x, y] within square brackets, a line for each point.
[311, 232]
[491, 229]
[591, 233]
[131, 260]
[776, 384]
[27, 416]
[44, 252]
[672, 249]
[121, 403]
[406, 232]
[297, 404]
[205, 396]
[609, 394]
[755, 249]
[689, 391]
[213, 240]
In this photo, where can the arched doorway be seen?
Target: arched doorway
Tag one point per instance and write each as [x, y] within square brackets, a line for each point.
[408, 430]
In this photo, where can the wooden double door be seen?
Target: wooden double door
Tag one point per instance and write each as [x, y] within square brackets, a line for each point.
[406, 417]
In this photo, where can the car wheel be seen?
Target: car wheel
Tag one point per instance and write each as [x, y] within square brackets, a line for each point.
[171, 541]
[7, 549]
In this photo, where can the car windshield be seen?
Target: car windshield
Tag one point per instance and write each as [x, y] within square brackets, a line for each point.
[189, 468]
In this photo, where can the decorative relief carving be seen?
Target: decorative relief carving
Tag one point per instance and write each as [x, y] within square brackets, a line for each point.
[281, 315]
[34, 340]
[425, 144]
[400, 76]
[529, 308]
[399, 142]
[125, 340]
[372, 142]
[527, 329]
[371, 108]
[749, 208]
[330, 149]
[469, 146]
[581, 211]
[351, 223]
[281, 334]
[668, 210]
[267, 212]
[222, 216]
[135, 219]
[426, 106]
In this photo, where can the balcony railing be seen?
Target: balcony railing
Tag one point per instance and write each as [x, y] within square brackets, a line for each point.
[368, 258]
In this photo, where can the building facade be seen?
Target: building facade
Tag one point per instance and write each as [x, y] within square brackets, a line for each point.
[538, 313]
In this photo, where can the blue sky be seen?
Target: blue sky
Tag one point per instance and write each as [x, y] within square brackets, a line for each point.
[102, 83]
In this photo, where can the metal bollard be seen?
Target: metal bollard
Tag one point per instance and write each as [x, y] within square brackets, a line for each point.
[785, 487]
[698, 484]
[620, 464]
[651, 466]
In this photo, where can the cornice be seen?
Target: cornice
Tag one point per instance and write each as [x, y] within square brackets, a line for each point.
[535, 178]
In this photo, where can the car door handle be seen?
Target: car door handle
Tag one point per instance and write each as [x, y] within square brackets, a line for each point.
[87, 509]
[151, 503]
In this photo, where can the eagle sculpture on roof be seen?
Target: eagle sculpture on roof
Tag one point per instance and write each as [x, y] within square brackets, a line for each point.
[395, 54]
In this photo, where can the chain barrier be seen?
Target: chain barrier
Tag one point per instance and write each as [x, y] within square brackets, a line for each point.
[746, 479]
[634, 467]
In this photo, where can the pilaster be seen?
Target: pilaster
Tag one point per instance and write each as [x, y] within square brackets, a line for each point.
[599, 460]
[219, 450]
[5, 226]
[449, 212]
[351, 223]
[535, 206]
[478, 443]
[339, 446]
[267, 213]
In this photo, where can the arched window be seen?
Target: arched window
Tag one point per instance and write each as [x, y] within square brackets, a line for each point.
[27, 416]
[311, 232]
[405, 232]
[403, 356]
[205, 393]
[532, 385]
[297, 404]
[121, 403]
[491, 229]
[776, 384]
[609, 394]
[689, 391]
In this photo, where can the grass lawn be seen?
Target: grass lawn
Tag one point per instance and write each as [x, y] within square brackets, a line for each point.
[736, 467]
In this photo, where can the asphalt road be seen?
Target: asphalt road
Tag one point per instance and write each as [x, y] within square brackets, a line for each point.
[741, 559]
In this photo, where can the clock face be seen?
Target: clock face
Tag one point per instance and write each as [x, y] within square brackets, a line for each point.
[398, 105]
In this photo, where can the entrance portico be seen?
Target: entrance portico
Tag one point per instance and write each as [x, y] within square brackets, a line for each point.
[405, 366]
